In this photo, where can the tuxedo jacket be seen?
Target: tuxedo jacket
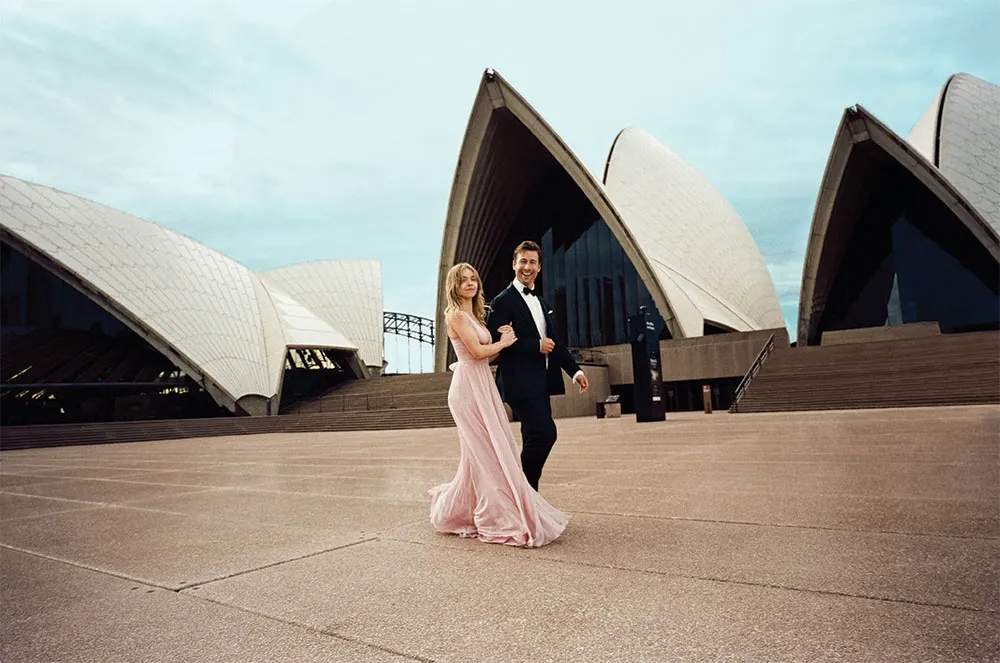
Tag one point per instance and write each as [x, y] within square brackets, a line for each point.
[521, 371]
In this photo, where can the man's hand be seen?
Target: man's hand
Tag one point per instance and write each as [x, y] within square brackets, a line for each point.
[581, 381]
[546, 345]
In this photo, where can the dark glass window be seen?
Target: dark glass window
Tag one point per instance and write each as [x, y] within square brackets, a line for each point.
[519, 191]
[910, 260]
[65, 359]
[586, 279]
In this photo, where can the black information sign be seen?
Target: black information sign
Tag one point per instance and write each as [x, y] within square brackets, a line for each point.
[647, 369]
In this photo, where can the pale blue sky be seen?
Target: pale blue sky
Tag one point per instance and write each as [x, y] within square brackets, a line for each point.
[292, 131]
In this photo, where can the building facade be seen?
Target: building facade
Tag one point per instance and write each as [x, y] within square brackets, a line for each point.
[906, 230]
[109, 316]
[653, 233]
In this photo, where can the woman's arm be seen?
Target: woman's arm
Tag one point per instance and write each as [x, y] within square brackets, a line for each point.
[463, 328]
[500, 332]
[500, 316]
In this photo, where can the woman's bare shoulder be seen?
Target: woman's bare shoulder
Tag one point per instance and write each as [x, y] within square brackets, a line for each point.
[454, 318]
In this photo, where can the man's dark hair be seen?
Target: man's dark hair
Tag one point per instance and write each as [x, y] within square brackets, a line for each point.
[528, 245]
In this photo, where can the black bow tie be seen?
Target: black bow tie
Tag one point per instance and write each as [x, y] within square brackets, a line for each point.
[528, 291]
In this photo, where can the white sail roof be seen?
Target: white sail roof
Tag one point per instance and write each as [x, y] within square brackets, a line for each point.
[701, 251]
[209, 314]
[347, 294]
[960, 134]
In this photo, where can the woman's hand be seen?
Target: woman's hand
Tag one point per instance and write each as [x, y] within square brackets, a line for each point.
[507, 337]
[504, 328]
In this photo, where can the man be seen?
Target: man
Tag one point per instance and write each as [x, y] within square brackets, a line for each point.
[528, 372]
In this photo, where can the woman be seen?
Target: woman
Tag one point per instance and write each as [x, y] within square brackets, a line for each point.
[489, 498]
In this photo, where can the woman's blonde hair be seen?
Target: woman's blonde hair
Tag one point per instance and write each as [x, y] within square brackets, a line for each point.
[453, 281]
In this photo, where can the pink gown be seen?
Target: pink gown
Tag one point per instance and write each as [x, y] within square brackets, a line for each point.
[489, 498]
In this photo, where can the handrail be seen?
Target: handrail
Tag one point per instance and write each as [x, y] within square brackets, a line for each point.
[589, 356]
[744, 384]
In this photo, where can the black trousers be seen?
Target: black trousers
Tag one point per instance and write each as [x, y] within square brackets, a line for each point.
[538, 433]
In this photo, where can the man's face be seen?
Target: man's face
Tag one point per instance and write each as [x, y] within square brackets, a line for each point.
[526, 267]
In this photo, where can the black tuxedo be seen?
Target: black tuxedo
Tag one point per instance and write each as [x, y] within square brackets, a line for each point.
[523, 379]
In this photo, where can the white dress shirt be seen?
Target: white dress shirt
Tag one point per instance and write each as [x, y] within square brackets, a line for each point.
[535, 306]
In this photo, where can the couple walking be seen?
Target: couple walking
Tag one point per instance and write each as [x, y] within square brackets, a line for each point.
[493, 497]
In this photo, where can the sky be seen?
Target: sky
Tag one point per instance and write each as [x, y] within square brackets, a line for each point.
[283, 132]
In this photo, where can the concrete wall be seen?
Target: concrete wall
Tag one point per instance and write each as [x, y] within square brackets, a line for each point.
[704, 357]
[575, 404]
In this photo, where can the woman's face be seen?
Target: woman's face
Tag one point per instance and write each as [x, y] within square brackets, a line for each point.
[468, 286]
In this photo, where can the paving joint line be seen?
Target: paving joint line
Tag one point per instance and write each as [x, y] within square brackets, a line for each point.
[747, 583]
[50, 478]
[790, 526]
[56, 499]
[202, 583]
[88, 507]
[57, 478]
[179, 592]
[181, 588]
[198, 490]
[307, 627]
[67, 562]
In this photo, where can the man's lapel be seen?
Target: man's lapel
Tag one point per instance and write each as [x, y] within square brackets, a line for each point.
[546, 313]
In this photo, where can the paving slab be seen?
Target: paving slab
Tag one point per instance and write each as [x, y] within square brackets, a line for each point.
[403, 491]
[930, 570]
[404, 457]
[94, 461]
[929, 480]
[85, 471]
[166, 549]
[746, 537]
[450, 605]
[14, 507]
[103, 491]
[215, 479]
[14, 480]
[429, 475]
[95, 617]
[334, 468]
[364, 515]
[955, 517]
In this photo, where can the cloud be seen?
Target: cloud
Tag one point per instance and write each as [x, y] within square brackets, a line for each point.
[317, 129]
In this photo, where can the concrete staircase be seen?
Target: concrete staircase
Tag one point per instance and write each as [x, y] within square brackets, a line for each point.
[392, 402]
[950, 369]
[421, 390]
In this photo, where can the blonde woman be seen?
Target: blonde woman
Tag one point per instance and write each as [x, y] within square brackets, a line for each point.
[489, 498]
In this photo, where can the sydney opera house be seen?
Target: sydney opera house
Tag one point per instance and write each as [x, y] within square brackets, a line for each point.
[652, 232]
[107, 316]
[906, 230]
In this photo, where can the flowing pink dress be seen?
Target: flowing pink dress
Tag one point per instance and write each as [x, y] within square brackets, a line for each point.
[489, 498]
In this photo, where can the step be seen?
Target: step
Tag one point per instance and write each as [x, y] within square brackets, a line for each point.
[21, 437]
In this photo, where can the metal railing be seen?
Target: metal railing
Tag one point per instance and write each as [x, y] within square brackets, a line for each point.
[588, 356]
[744, 384]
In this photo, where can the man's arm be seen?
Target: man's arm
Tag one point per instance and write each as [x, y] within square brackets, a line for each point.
[564, 360]
[561, 356]
[560, 353]
[572, 369]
